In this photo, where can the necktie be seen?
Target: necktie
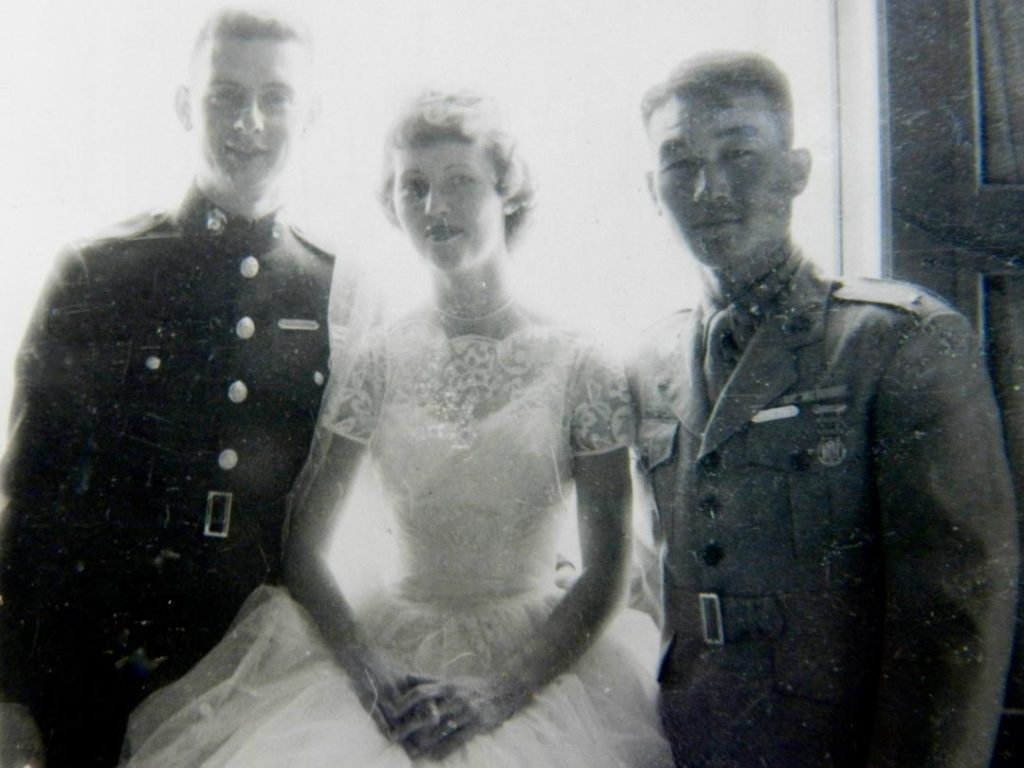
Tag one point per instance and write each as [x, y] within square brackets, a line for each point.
[728, 332]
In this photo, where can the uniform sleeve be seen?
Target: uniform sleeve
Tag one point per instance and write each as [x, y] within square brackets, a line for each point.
[950, 549]
[600, 408]
[353, 402]
[354, 309]
[46, 461]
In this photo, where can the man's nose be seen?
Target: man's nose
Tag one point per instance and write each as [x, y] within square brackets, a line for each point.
[250, 117]
[710, 184]
[436, 203]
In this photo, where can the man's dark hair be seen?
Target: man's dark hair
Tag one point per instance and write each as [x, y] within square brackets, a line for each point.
[714, 75]
[252, 24]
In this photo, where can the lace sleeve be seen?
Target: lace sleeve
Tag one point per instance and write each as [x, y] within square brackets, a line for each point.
[600, 406]
[352, 403]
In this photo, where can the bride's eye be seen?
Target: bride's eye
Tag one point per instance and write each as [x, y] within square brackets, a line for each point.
[461, 181]
[414, 189]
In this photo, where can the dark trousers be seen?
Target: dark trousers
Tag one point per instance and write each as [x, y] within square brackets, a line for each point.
[83, 685]
[723, 710]
[82, 712]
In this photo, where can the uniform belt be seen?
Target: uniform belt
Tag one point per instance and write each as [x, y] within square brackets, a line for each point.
[730, 619]
[217, 520]
[211, 511]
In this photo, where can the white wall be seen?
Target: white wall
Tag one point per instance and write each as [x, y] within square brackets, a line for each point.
[859, 131]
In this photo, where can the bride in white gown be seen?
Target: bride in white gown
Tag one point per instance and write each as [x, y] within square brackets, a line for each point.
[480, 419]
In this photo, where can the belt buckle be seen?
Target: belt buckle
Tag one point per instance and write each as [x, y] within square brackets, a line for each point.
[217, 522]
[711, 618]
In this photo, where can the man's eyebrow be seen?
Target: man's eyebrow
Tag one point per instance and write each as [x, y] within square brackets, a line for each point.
[673, 145]
[745, 131]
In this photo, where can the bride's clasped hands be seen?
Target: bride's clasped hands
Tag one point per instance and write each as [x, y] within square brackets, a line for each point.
[430, 717]
[434, 718]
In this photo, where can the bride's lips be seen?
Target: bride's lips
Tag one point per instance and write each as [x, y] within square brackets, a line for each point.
[439, 233]
[245, 153]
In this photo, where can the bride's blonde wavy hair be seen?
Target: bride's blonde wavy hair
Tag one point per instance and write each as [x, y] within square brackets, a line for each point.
[461, 116]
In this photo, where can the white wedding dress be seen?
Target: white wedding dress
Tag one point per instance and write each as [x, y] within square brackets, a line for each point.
[473, 439]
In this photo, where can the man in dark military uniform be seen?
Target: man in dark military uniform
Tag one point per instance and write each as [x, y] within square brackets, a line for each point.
[168, 389]
[827, 464]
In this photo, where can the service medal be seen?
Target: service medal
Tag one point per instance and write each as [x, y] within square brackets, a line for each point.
[831, 451]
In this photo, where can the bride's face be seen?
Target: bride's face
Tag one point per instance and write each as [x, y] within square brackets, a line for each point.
[446, 200]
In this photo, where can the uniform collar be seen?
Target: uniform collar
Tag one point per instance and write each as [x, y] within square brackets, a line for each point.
[201, 219]
[768, 366]
[763, 296]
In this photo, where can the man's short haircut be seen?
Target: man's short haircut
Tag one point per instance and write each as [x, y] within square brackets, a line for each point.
[252, 24]
[713, 75]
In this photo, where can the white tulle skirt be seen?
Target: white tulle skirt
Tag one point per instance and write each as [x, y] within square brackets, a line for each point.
[270, 693]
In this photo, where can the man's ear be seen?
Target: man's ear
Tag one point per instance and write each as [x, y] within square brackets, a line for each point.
[652, 191]
[313, 111]
[388, 203]
[183, 107]
[799, 161]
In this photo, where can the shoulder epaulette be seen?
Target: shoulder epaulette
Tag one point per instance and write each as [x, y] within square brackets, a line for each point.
[668, 323]
[892, 293]
[662, 337]
[317, 245]
[140, 226]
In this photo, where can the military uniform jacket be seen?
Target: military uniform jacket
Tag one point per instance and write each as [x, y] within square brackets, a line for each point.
[846, 507]
[168, 389]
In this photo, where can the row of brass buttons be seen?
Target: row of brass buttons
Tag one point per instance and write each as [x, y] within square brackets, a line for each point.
[238, 392]
[709, 506]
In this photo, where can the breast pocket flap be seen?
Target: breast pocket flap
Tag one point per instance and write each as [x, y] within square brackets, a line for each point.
[657, 439]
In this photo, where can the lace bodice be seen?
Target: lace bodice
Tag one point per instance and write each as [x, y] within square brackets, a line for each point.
[473, 439]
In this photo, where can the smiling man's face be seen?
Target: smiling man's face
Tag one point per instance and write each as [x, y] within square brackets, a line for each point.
[247, 102]
[724, 172]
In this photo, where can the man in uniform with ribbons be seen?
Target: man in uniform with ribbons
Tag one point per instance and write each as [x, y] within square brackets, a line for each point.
[826, 458]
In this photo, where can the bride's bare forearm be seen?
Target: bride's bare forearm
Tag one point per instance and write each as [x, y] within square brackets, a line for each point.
[604, 494]
[318, 501]
[567, 634]
[313, 585]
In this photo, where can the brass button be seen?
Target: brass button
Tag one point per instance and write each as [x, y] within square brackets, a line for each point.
[245, 328]
[713, 554]
[238, 392]
[250, 266]
[228, 459]
[153, 362]
[711, 462]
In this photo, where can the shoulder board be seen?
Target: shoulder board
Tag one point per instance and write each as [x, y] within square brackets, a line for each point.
[317, 245]
[668, 324]
[661, 339]
[892, 293]
[140, 226]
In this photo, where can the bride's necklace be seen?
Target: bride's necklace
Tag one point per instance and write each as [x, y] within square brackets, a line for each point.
[475, 318]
